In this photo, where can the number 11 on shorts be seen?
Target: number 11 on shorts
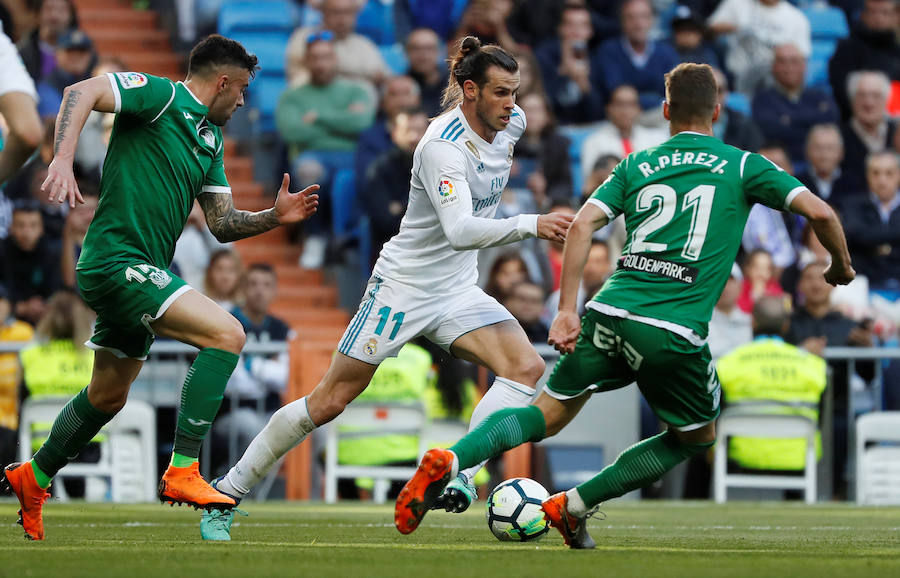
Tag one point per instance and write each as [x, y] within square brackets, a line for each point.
[383, 315]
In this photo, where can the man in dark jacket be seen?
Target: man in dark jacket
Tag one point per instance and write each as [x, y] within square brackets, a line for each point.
[872, 45]
[38, 48]
[733, 127]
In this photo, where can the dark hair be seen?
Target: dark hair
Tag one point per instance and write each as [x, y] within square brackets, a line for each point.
[570, 6]
[604, 160]
[27, 206]
[262, 268]
[492, 288]
[770, 314]
[692, 93]
[471, 62]
[216, 50]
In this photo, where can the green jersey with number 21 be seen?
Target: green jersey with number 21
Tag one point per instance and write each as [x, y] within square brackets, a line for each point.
[685, 204]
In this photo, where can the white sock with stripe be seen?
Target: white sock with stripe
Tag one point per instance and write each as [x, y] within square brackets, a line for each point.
[286, 429]
[502, 394]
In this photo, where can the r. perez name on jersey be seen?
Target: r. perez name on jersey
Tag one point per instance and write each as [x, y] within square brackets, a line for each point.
[678, 158]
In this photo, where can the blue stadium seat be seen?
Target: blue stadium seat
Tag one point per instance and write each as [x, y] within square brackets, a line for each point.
[269, 47]
[826, 21]
[576, 135]
[739, 102]
[262, 16]
[817, 72]
[376, 21]
[265, 91]
[395, 58]
[823, 48]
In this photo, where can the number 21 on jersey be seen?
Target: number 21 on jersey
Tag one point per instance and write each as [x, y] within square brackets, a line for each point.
[663, 201]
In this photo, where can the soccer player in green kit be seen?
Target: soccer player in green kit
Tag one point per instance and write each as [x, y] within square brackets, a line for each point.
[685, 204]
[166, 151]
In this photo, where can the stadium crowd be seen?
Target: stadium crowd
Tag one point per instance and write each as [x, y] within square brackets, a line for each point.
[815, 87]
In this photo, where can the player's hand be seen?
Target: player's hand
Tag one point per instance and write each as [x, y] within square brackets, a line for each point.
[564, 331]
[295, 207]
[554, 226]
[60, 184]
[837, 274]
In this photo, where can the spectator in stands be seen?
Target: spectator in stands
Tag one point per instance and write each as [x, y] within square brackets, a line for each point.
[38, 49]
[872, 45]
[357, 57]
[320, 122]
[75, 58]
[386, 183]
[259, 379]
[620, 134]
[573, 84]
[729, 326]
[869, 129]
[92, 143]
[634, 58]
[423, 50]
[597, 269]
[599, 171]
[75, 229]
[772, 230]
[486, 20]
[194, 248]
[554, 249]
[222, 283]
[542, 154]
[872, 223]
[530, 79]
[11, 329]
[507, 270]
[525, 302]
[810, 249]
[441, 16]
[29, 266]
[688, 38]
[788, 109]
[815, 324]
[754, 29]
[733, 127]
[532, 21]
[398, 93]
[823, 175]
[754, 376]
[760, 279]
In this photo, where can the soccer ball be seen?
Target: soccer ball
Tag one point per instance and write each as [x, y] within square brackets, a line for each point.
[514, 511]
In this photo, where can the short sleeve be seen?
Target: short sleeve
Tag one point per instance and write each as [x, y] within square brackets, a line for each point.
[215, 180]
[610, 196]
[764, 182]
[141, 95]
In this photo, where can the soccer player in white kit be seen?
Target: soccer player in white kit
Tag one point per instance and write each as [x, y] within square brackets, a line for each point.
[424, 282]
[18, 106]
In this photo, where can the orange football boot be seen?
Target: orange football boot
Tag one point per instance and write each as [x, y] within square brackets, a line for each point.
[573, 530]
[187, 486]
[19, 478]
[418, 495]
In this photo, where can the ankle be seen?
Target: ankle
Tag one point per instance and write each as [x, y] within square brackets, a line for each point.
[575, 505]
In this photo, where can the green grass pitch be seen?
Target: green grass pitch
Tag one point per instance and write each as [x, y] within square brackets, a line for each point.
[679, 539]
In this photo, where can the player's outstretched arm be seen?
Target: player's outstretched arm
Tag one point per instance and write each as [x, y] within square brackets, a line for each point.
[78, 101]
[827, 227]
[566, 325]
[230, 224]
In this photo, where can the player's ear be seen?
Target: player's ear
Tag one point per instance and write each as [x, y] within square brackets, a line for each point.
[221, 83]
[666, 110]
[470, 89]
[716, 112]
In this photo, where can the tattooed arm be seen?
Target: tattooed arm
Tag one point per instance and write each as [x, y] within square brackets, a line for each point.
[77, 103]
[229, 224]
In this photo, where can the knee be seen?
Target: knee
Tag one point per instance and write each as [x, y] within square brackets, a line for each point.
[528, 369]
[324, 407]
[705, 435]
[231, 336]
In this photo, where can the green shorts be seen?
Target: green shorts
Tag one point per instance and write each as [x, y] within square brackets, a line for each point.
[128, 297]
[677, 378]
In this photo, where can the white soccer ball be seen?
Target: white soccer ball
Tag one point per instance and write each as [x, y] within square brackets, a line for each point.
[514, 510]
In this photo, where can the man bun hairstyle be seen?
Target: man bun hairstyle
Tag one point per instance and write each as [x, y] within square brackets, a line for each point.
[691, 93]
[471, 62]
[215, 50]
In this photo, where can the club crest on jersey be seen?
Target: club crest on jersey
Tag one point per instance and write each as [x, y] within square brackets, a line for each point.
[208, 137]
[131, 79]
[371, 347]
[471, 146]
[447, 192]
[509, 154]
[159, 278]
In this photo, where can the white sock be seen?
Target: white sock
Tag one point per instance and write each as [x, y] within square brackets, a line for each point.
[502, 394]
[574, 504]
[286, 428]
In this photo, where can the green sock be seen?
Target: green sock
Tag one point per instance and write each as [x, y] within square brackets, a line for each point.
[500, 431]
[637, 467]
[42, 479]
[201, 397]
[74, 427]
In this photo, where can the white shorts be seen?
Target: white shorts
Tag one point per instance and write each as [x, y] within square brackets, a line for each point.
[392, 313]
[14, 77]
